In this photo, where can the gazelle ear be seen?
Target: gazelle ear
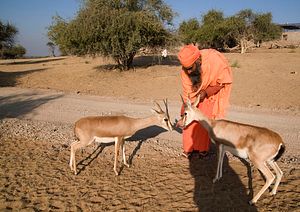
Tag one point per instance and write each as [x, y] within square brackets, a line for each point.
[197, 101]
[182, 99]
[188, 102]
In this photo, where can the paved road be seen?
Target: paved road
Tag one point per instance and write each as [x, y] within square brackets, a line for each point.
[52, 106]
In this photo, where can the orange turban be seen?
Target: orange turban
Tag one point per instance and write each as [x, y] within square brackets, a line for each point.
[188, 55]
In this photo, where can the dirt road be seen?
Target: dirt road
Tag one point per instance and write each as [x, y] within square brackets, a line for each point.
[52, 106]
[36, 130]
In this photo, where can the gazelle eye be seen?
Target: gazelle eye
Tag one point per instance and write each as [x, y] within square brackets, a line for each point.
[185, 113]
[165, 119]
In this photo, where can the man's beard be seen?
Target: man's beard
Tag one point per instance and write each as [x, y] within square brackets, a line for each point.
[195, 76]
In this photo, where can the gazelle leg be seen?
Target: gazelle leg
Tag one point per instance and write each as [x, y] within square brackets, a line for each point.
[123, 152]
[72, 163]
[279, 174]
[269, 179]
[117, 147]
[74, 146]
[221, 154]
[71, 156]
[219, 147]
[222, 160]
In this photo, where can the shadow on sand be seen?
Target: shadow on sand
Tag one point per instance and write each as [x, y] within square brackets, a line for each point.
[9, 79]
[144, 62]
[227, 194]
[15, 106]
[140, 137]
[33, 61]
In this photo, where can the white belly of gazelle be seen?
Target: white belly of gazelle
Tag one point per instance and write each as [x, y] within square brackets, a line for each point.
[242, 153]
[104, 139]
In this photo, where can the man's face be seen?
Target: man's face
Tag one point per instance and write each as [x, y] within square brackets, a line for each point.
[194, 73]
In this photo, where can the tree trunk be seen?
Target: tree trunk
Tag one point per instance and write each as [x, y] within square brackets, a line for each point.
[243, 46]
[125, 63]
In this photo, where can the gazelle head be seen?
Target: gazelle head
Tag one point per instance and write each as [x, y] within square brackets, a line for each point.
[163, 116]
[188, 115]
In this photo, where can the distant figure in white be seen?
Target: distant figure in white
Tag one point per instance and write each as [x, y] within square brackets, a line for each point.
[164, 53]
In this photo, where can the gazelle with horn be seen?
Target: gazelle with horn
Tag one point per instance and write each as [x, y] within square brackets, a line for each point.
[260, 145]
[105, 128]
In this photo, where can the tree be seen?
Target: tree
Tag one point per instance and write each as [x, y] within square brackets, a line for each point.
[207, 33]
[188, 31]
[7, 41]
[13, 52]
[256, 28]
[264, 29]
[246, 30]
[243, 30]
[59, 33]
[210, 33]
[116, 28]
[51, 46]
[7, 34]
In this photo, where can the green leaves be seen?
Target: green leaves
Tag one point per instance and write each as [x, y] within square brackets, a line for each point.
[264, 29]
[7, 34]
[116, 28]
[8, 49]
[216, 31]
[188, 31]
[13, 52]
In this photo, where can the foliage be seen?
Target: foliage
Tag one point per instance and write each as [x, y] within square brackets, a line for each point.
[216, 31]
[188, 31]
[210, 33]
[116, 28]
[58, 33]
[263, 30]
[7, 34]
[7, 48]
[13, 52]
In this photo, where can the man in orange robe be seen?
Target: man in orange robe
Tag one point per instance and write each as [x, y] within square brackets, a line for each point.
[206, 73]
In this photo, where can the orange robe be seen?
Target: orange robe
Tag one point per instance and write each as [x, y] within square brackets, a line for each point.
[215, 70]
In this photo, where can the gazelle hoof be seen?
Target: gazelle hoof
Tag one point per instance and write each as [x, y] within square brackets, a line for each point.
[215, 180]
[251, 202]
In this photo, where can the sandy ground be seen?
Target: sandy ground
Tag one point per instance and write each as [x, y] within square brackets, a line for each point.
[264, 79]
[35, 168]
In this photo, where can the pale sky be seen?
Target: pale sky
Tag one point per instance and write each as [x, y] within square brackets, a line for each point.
[32, 17]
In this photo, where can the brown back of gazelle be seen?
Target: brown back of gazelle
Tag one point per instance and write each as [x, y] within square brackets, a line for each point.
[101, 126]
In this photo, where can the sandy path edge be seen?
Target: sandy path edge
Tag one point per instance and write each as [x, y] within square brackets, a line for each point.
[54, 106]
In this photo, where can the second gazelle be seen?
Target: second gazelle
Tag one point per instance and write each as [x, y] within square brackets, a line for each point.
[260, 145]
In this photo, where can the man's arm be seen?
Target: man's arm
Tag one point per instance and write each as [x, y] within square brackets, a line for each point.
[209, 91]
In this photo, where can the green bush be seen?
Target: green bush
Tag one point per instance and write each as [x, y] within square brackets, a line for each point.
[113, 28]
[219, 32]
[13, 52]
